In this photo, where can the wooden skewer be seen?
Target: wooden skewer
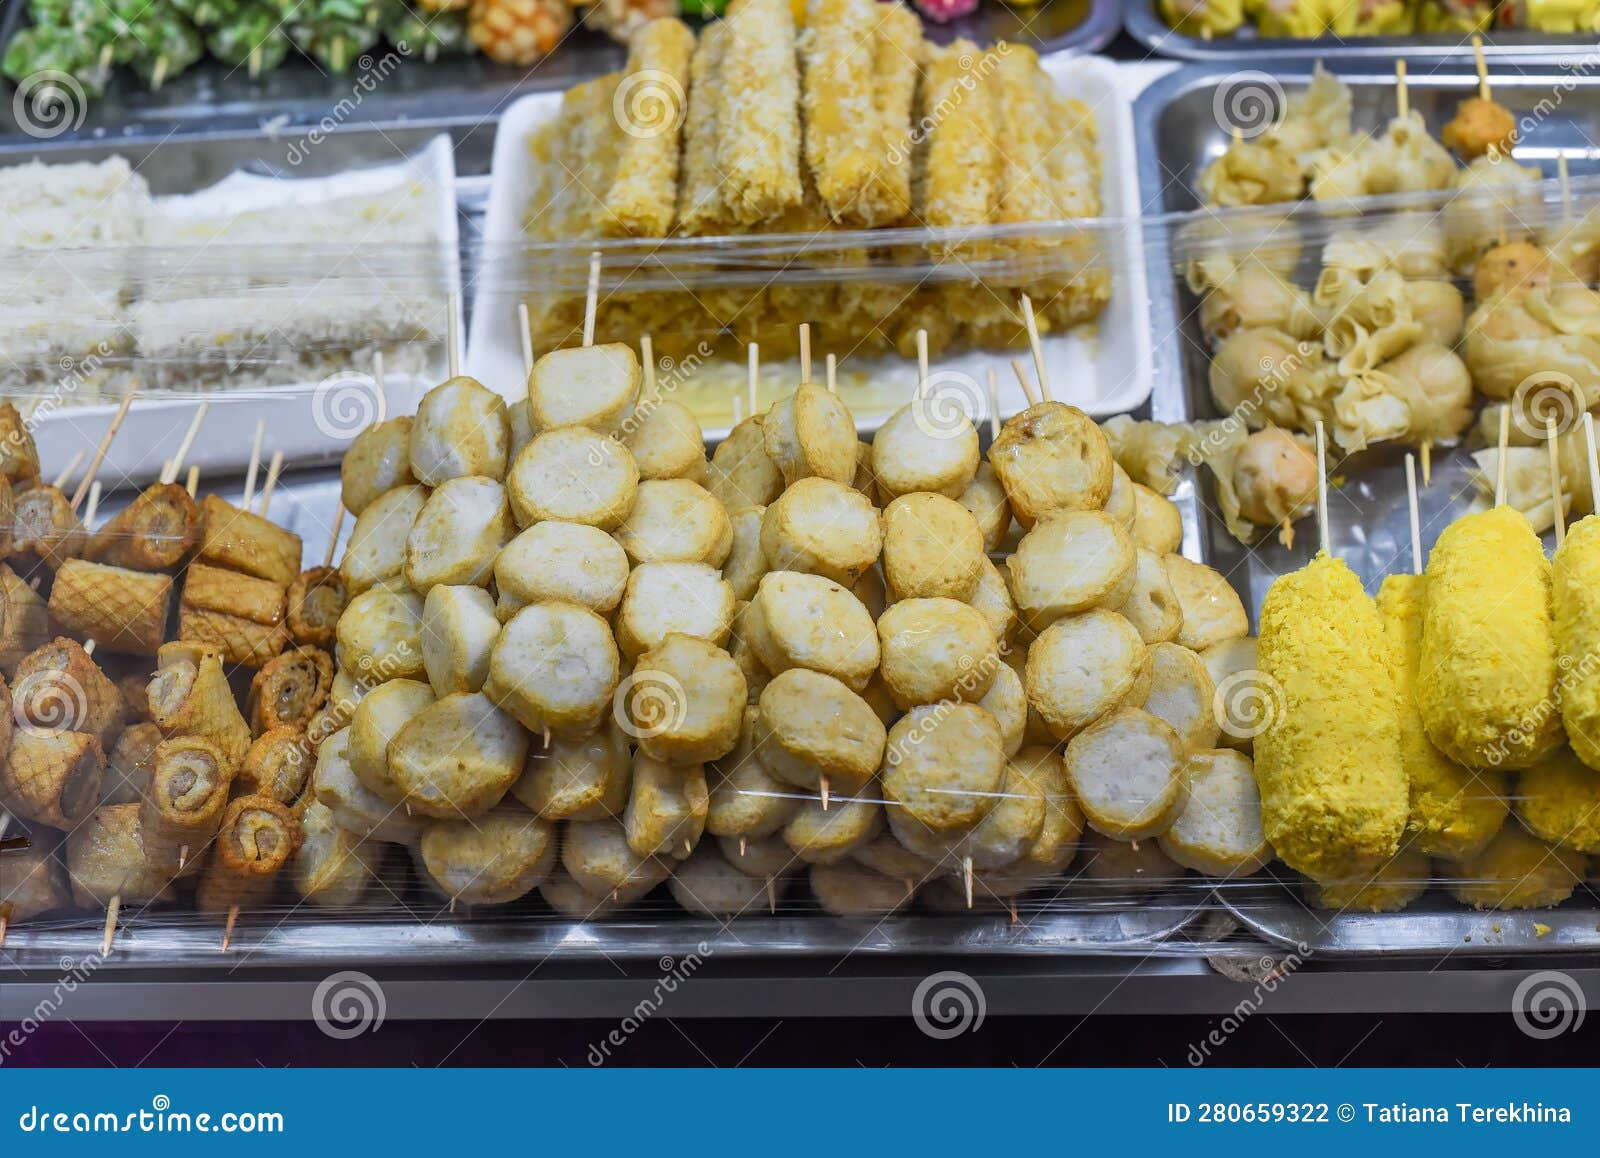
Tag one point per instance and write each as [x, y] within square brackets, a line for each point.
[922, 363]
[738, 407]
[452, 334]
[755, 379]
[994, 406]
[66, 471]
[1027, 386]
[1322, 489]
[93, 508]
[273, 468]
[88, 648]
[110, 931]
[832, 364]
[1416, 520]
[183, 856]
[1238, 136]
[1555, 479]
[333, 536]
[772, 896]
[966, 871]
[1594, 460]
[591, 300]
[1013, 905]
[105, 445]
[1036, 346]
[805, 352]
[255, 463]
[823, 783]
[227, 930]
[5, 821]
[3, 924]
[647, 361]
[743, 845]
[1566, 188]
[1483, 68]
[526, 326]
[193, 483]
[188, 441]
[1427, 462]
[1500, 463]
[1402, 97]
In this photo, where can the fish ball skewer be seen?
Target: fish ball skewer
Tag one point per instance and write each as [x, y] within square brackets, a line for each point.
[561, 562]
[579, 780]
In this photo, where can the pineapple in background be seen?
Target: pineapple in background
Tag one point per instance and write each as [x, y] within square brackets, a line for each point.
[518, 32]
[333, 32]
[253, 38]
[419, 32]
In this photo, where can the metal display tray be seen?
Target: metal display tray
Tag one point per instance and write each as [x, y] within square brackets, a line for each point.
[1369, 519]
[1145, 24]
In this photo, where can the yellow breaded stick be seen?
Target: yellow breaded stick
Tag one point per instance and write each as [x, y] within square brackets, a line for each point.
[841, 130]
[958, 164]
[896, 61]
[700, 207]
[758, 138]
[650, 110]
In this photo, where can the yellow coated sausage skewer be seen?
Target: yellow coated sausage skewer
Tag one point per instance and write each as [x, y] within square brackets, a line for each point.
[1575, 584]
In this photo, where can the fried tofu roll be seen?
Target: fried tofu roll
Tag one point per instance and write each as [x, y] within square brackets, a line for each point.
[289, 689]
[24, 619]
[758, 134]
[59, 686]
[190, 696]
[1334, 799]
[1516, 870]
[1455, 811]
[155, 532]
[955, 183]
[189, 782]
[128, 765]
[46, 530]
[120, 609]
[700, 208]
[106, 858]
[316, 600]
[1489, 644]
[1575, 588]
[333, 868]
[492, 860]
[278, 765]
[244, 618]
[241, 541]
[19, 457]
[52, 776]
[644, 188]
[257, 839]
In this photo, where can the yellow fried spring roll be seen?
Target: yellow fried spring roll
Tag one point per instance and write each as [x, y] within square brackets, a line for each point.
[957, 164]
[700, 205]
[52, 776]
[758, 138]
[841, 131]
[651, 97]
[155, 532]
[1575, 584]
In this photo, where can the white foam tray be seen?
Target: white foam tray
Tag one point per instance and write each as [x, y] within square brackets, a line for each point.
[155, 426]
[1107, 369]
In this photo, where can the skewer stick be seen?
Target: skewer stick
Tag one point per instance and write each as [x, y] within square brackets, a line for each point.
[738, 407]
[1427, 462]
[3, 924]
[255, 463]
[227, 930]
[647, 359]
[743, 845]
[772, 896]
[105, 445]
[88, 648]
[1594, 460]
[5, 822]
[1500, 457]
[110, 931]
[93, 508]
[1036, 346]
[273, 468]
[1402, 97]
[805, 352]
[922, 363]
[66, 471]
[183, 856]
[333, 536]
[1322, 489]
[591, 300]
[966, 872]
[1483, 68]
[1566, 188]
[1416, 521]
[1238, 136]
[994, 406]
[526, 327]
[1555, 479]
[823, 784]
[832, 364]
[452, 334]
[193, 483]
[1027, 387]
[188, 441]
[1013, 905]
[755, 379]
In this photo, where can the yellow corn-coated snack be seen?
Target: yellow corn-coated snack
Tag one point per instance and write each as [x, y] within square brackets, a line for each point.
[1487, 688]
[1455, 811]
[1558, 800]
[1575, 590]
[1333, 786]
[1517, 871]
[1387, 889]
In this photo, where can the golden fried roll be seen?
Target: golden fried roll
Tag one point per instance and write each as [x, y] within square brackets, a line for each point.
[758, 139]
[257, 839]
[45, 527]
[24, 619]
[666, 812]
[59, 686]
[1052, 457]
[19, 457]
[1334, 798]
[290, 689]
[700, 206]
[844, 130]
[707, 884]
[459, 630]
[942, 769]
[354, 807]
[189, 782]
[929, 444]
[377, 460]
[277, 766]
[106, 858]
[1516, 870]
[955, 182]
[376, 552]
[827, 836]
[821, 527]
[121, 610]
[1558, 800]
[458, 533]
[746, 799]
[684, 702]
[597, 854]
[584, 779]
[241, 541]
[561, 562]
[155, 532]
[30, 884]
[808, 621]
[575, 475]
[742, 474]
[810, 726]
[1219, 831]
[190, 696]
[380, 636]
[52, 776]
[1081, 667]
[460, 429]
[932, 548]
[457, 757]
[555, 666]
[1182, 694]
[316, 600]
[1454, 811]
[1489, 644]
[676, 520]
[661, 598]
[491, 860]
[591, 386]
[375, 723]
[665, 440]
[333, 867]
[1575, 591]
[810, 434]
[936, 649]
[1387, 889]
[848, 889]
[129, 763]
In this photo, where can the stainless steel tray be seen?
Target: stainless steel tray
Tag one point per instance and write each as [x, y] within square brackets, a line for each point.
[1144, 23]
